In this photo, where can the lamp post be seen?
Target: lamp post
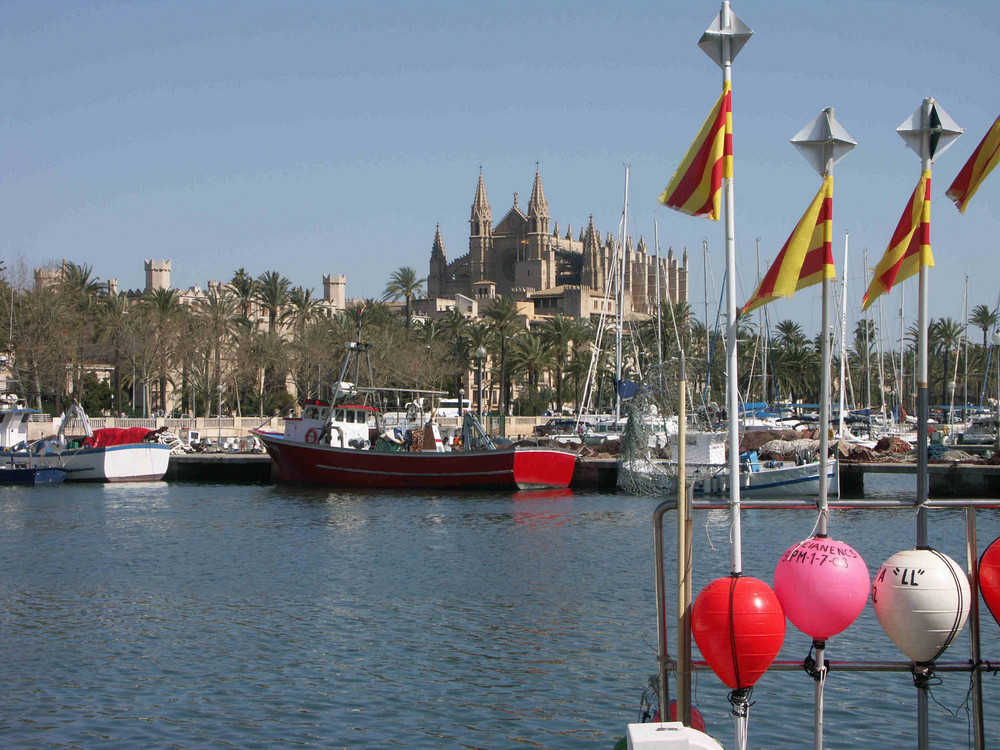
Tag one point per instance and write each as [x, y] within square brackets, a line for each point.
[461, 401]
[996, 412]
[219, 389]
[481, 354]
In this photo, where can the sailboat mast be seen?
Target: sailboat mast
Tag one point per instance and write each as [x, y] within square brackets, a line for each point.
[659, 305]
[843, 338]
[622, 234]
[902, 351]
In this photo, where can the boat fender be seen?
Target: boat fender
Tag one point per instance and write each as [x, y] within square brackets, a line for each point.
[312, 435]
[359, 443]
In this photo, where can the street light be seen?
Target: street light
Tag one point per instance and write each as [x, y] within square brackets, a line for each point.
[461, 401]
[219, 389]
[481, 354]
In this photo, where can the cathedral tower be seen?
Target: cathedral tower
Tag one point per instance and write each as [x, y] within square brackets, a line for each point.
[480, 233]
[437, 278]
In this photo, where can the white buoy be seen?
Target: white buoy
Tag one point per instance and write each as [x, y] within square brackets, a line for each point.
[921, 598]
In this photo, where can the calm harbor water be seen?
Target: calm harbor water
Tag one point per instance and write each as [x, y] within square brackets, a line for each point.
[195, 615]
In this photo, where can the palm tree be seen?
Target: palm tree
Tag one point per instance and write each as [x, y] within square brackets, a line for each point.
[984, 319]
[529, 356]
[556, 334]
[502, 320]
[218, 313]
[166, 308]
[272, 295]
[944, 336]
[789, 332]
[110, 314]
[403, 283]
[302, 309]
[244, 286]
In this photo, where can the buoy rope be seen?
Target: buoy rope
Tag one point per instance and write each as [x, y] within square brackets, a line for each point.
[739, 699]
[956, 624]
[810, 668]
[735, 577]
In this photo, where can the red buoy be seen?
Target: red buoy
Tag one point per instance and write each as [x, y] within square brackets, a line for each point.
[989, 578]
[739, 627]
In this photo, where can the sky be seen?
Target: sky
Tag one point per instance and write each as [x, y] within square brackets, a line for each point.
[318, 138]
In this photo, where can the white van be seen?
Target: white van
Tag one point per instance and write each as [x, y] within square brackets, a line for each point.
[448, 407]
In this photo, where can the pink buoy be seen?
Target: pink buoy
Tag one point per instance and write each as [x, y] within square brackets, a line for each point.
[989, 578]
[921, 598]
[739, 627]
[822, 585]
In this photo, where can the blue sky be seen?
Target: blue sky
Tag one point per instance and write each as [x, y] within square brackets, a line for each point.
[313, 138]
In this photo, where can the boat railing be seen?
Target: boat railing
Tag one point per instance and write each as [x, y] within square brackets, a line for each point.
[684, 665]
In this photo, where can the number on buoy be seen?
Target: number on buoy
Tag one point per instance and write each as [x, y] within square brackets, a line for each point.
[312, 435]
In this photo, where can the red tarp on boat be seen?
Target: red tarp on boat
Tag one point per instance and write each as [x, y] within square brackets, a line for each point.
[116, 436]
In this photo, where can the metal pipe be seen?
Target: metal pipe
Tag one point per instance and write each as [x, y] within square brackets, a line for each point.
[663, 664]
[683, 549]
[862, 666]
[972, 561]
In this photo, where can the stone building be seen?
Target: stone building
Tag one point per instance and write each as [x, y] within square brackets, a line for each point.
[522, 257]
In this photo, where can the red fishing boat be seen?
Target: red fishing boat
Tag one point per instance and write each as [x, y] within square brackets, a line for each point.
[332, 445]
[347, 444]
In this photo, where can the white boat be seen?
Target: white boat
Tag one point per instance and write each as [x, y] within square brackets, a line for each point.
[708, 471]
[101, 456]
[982, 430]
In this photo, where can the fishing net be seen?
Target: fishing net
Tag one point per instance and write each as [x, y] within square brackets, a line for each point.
[647, 457]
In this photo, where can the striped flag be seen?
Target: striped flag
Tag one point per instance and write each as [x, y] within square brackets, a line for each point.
[979, 165]
[910, 246]
[696, 187]
[806, 258]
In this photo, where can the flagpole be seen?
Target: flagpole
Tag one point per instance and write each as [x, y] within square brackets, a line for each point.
[823, 142]
[922, 391]
[732, 379]
[722, 41]
[843, 341]
[929, 132]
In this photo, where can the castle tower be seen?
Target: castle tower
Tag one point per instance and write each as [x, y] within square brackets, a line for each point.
[157, 275]
[437, 278]
[480, 233]
[335, 290]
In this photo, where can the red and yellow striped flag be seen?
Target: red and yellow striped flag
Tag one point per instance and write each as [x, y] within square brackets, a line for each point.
[696, 187]
[910, 246]
[806, 258]
[980, 164]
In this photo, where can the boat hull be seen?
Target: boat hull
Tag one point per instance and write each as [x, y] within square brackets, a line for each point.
[783, 481]
[34, 475]
[508, 467]
[134, 462]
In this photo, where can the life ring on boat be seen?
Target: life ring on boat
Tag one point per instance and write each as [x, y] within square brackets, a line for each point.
[312, 435]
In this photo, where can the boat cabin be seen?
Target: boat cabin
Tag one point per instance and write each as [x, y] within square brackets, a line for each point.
[342, 426]
[14, 427]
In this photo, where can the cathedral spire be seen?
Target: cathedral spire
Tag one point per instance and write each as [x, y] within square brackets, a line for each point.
[481, 218]
[538, 206]
[438, 248]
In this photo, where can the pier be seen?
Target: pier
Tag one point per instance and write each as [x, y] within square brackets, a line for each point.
[946, 479]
